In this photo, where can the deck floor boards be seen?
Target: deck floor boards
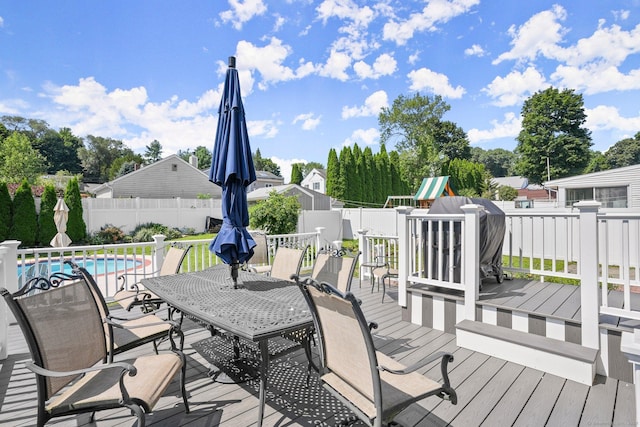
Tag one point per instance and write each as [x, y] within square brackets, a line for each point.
[491, 391]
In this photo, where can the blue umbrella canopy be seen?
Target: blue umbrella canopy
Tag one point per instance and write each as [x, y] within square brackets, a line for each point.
[232, 169]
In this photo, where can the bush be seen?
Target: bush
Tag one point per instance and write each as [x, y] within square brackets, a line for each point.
[110, 234]
[6, 215]
[45, 220]
[507, 193]
[25, 219]
[76, 228]
[276, 215]
[145, 232]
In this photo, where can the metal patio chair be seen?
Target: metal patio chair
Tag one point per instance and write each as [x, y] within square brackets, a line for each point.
[336, 268]
[287, 262]
[129, 296]
[65, 332]
[374, 386]
[125, 333]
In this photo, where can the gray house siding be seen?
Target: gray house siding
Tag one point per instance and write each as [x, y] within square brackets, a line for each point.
[170, 177]
[627, 176]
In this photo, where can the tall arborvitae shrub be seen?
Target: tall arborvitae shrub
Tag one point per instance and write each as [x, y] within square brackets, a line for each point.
[25, 219]
[45, 220]
[6, 217]
[76, 228]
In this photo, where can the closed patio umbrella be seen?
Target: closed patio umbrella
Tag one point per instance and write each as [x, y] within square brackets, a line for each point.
[60, 216]
[232, 169]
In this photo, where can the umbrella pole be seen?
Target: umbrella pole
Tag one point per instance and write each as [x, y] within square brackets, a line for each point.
[234, 273]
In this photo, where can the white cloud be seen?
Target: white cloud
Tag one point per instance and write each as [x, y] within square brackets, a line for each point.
[309, 122]
[539, 35]
[372, 106]
[515, 87]
[242, 11]
[286, 166]
[621, 15]
[596, 78]
[1, 22]
[604, 117]
[127, 114]
[336, 66]
[263, 128]
[384, 65]
[508, 128]
[267, 60]
[280, 21]
[435, 12]
[413, 58]
[437, 83]
[475, 50]
[369, 136]
[345, 9]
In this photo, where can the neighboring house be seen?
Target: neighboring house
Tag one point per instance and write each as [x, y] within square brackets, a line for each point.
[316, 180]
[613, 188]
[526, 192]
[168, 178]
[265, 179]
[309, 200]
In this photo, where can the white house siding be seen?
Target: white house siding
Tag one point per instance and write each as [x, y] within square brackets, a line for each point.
[628, 176]
[170, 177]
[315, 177]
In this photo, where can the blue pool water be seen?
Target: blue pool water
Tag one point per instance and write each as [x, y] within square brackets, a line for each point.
[94, 266]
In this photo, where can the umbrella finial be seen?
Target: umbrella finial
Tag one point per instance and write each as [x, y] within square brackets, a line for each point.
[232, 62]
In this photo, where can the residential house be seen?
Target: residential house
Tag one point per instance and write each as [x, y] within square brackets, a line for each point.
[527, 193]
[309, 200]
[265, 179]
[167, 178]
[613, 188]
[316, 180]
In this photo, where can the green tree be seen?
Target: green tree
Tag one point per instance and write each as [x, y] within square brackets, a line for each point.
[398, 187]
[47, 227]
[98, 156]
[552, 129]
[6, 214]
[598, 162]
[368, 175]
[333, 173]
[76, 227]
[413, 124]
[296, 173]
[507, 193]
[451, 140]
[153, 152]
[348, 175]
[466, 177]
[124, 165]
[278, 214]
[498, 161]
[308, 167]
[625, 152]
[19, 160]
[25, 220]
[262, 164]
[60, 149]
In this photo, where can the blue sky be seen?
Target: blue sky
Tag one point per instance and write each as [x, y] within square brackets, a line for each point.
[314, 74]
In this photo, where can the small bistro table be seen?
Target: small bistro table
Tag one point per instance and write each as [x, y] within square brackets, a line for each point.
[262, 308]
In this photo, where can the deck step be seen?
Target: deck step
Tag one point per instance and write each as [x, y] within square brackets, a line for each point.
[561, 358]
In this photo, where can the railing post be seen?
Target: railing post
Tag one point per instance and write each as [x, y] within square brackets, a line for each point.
[471, 268]
[9, 278]
[364, 250]
[319, 231]
[403, 252]
[158, 257]
[589, 274]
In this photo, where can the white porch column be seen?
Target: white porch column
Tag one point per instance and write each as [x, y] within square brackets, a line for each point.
[9, 281]
[158, 257]
[471, 267]
[588, 265]
[319, 231]
[404, 238]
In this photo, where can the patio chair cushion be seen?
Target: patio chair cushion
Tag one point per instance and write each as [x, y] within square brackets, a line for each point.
[287, 262]
[154, 374]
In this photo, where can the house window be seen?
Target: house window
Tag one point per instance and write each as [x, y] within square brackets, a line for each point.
[316, 186]
[174, 167]
[609, 197]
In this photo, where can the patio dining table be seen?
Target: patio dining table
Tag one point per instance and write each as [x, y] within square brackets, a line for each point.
[261, 309]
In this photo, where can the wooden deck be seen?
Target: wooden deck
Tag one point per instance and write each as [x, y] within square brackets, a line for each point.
[491, 392]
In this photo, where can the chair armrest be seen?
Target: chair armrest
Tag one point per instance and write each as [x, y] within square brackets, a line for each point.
[123, 278]
[446, 358]
[110, 321]
[126, 367]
